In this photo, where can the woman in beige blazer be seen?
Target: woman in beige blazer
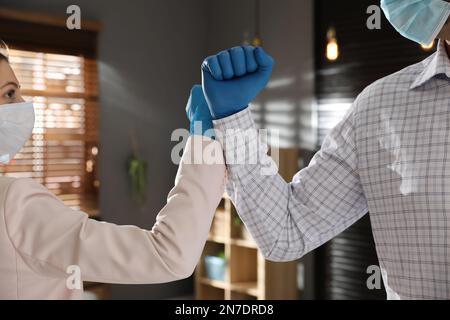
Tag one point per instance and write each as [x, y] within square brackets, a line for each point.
[42, 240]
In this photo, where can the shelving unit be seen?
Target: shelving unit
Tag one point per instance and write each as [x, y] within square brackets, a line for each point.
[248, 275]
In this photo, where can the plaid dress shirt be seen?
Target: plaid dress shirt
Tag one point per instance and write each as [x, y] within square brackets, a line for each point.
[390, 155]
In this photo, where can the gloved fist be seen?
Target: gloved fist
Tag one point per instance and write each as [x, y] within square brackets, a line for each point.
[198, 113]
[233, 78]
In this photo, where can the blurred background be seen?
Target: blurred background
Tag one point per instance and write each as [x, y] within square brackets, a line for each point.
[108, 97]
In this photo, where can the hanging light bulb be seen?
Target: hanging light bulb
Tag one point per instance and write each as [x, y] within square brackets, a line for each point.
[332, 45]
[428, 46]
[257, 41]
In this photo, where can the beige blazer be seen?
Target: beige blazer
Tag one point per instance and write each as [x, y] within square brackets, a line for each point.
[40, 238]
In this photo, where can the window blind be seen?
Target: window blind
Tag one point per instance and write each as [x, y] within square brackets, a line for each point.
[329, 113]
[62, 152]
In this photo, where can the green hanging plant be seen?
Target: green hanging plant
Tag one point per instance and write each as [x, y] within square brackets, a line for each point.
[237, 221]
[221, 255]
[137, 170]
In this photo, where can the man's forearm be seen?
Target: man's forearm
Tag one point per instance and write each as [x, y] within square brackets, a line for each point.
[288, 220]
[261, 199]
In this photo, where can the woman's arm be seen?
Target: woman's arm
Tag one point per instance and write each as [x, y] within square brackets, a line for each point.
[52, 237]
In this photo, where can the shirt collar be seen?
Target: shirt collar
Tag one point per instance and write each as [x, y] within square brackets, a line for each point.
[438, 63]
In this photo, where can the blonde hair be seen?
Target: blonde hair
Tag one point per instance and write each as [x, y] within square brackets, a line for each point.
[4, 51]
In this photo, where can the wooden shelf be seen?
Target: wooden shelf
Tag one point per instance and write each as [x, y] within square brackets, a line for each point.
[249, 288]
[237, 242]
[244, 243]
[247, 274]
[217, 239]
[214, 283]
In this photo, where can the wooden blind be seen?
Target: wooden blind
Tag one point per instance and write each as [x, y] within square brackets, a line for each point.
[62, 152]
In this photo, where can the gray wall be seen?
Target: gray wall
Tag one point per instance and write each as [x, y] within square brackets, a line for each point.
[287, 32]
[149, 56]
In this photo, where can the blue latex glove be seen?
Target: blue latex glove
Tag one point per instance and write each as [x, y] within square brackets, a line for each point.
[233, 78]
[198, 113]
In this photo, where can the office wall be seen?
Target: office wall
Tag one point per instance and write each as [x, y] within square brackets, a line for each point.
[287, 31]
[149, 56]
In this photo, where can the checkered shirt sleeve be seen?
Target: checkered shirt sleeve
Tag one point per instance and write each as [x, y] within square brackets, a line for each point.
[288, 220]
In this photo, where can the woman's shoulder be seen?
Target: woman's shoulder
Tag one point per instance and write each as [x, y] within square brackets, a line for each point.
[10, 186]
[5, 188]
[16, 194]
[6, 182]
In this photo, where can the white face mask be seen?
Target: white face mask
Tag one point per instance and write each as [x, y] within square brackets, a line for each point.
[417, 20]
[16, 126]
